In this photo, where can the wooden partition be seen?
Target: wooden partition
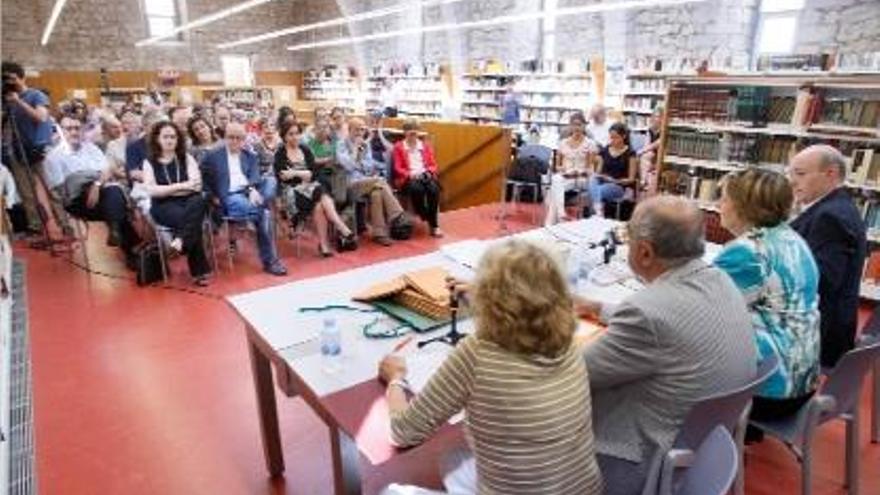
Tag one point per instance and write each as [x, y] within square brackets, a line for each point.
[61, 83]
[471, 160]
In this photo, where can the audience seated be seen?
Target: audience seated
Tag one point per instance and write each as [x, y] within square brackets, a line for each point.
[685, 336]
[573, 165]
[201, 137]
[131, 129]
[365, 181]
[835, 232]
[648, 154]
[415, 174]
[520, 380]
[772, 266]
[380, 147]
[268, 143]
[80, 175]
[303, 194]
[136, 151]
[173, 181]
[222, 117]
[338, 124]
[598, 126]
[616, 169]
[327, 170]
[231, 175]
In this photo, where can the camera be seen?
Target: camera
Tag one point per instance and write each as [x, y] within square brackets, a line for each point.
[9, 85]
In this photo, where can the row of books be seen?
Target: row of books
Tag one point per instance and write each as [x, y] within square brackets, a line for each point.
[568, 66]
[525, 84]
[704, 146]
[688, 103]
[640, 102]
[864, 167]
[703, 185]
[636, 120]
[405, 70]
[646, 84]
[855, 112]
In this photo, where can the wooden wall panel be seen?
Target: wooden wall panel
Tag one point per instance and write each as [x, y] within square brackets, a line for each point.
[471, 160]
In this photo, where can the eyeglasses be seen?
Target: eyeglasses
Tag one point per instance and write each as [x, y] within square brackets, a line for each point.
[71, 127]
[234, 138]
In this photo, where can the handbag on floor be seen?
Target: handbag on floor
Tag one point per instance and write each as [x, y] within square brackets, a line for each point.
[149, 264]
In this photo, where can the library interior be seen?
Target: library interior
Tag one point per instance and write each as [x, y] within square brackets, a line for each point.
[416, 247]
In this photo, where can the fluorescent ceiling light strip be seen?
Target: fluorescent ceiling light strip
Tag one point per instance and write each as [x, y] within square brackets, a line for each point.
[53, 18]
[507, 19]
[373, 14]
[204, 20]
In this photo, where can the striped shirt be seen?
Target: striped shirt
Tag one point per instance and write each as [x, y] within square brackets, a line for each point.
[528, 418]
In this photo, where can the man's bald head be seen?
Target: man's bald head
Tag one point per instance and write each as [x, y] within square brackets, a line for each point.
[673, 225]
[235, 136]
[816, 171]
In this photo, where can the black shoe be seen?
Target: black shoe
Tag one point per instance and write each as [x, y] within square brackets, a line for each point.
[276, 268]
[348, 242]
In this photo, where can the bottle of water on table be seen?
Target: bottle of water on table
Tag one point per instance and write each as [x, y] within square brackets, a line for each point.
[331, 345]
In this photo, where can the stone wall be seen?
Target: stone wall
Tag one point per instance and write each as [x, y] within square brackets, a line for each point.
[93, 34]
[846, 26]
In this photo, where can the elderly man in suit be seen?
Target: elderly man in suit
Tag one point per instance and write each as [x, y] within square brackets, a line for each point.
[833, 227]
[685, 336]
[231, 175]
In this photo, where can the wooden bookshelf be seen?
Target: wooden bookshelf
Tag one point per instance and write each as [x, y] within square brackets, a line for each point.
[644, 91]
[715, 125]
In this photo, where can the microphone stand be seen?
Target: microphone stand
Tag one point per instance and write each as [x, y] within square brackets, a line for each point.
[453, 335]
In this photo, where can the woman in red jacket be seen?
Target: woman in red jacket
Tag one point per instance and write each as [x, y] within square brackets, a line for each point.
[415, 173]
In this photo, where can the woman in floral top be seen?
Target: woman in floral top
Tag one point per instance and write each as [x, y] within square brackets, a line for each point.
[774, 268]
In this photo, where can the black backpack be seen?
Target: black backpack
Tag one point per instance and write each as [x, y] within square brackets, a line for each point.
[401, 228]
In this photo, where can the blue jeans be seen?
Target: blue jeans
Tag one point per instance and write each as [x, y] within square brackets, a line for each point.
[237, 206]
[601, 192]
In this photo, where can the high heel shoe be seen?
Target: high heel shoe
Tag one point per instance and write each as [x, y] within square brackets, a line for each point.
[325, 253]
[348, 242]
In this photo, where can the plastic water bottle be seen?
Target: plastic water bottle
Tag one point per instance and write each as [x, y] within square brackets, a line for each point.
[331, 345]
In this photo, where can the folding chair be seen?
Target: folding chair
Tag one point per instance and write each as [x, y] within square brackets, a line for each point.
[711, 469]
[837, 399]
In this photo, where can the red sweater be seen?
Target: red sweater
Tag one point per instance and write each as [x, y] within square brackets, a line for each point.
[400, 159]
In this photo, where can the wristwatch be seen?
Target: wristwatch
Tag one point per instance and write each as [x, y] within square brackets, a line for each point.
[402, 383]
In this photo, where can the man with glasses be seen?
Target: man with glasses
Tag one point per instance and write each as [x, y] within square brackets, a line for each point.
[231, 174]
[831, 224]
[88, 186]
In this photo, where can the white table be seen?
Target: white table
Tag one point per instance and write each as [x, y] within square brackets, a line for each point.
[351, 401]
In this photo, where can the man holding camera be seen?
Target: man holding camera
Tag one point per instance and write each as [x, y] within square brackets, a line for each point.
[365, 180]
[28, 111]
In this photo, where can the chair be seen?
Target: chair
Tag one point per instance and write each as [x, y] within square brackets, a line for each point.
[710, 470]
[531, 163]
[871, 334]
[728, 409]
[164, 235]
[837, 399]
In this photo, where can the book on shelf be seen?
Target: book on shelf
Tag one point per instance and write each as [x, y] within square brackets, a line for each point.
[852, 112]
[864, 167]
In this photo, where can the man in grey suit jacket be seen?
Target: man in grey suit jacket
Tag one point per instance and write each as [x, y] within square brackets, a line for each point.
[685, 336]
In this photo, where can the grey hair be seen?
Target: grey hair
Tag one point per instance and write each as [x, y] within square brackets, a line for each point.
[829, 156]
[673, 225]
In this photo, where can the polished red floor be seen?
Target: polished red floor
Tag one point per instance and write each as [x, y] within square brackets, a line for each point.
[148, 390]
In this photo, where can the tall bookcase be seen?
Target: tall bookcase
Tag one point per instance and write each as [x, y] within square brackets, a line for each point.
[419, 90]
[643, 92]
[715, 125]
[336, 87]
[549, 94]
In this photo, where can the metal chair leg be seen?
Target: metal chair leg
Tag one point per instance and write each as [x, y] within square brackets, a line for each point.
[739, 484]
[852, 451]
[229, 254]
[875, 404]
[807, 465]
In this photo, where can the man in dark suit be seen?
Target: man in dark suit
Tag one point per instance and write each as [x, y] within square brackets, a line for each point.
[835, 231]
[231, 175]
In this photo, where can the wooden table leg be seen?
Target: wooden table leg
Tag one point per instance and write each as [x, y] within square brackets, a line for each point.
[262, 371]
[346, 463]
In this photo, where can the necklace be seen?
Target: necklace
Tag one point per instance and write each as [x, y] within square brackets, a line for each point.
[176, 170]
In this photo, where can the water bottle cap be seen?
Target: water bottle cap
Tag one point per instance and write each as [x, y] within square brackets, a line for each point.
[329, 321]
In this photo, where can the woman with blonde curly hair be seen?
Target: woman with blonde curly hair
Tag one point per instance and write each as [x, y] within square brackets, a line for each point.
[520, 380]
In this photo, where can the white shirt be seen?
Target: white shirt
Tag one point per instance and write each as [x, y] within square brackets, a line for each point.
[416, 162]
[599, 132]
[63, 160]
[116, 151]
[237, 180]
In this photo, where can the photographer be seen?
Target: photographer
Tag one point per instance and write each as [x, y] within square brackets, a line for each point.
[415, 173]
[28, 109]
[365, 180]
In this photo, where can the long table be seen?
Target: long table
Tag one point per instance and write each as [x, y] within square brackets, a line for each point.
[350, 401]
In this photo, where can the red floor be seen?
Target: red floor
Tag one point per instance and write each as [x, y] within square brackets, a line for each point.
[148, 390]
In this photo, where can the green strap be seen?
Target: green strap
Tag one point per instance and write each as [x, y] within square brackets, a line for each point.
[368, 329]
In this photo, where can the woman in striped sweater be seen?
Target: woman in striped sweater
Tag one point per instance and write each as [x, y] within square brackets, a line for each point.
[520, 380]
